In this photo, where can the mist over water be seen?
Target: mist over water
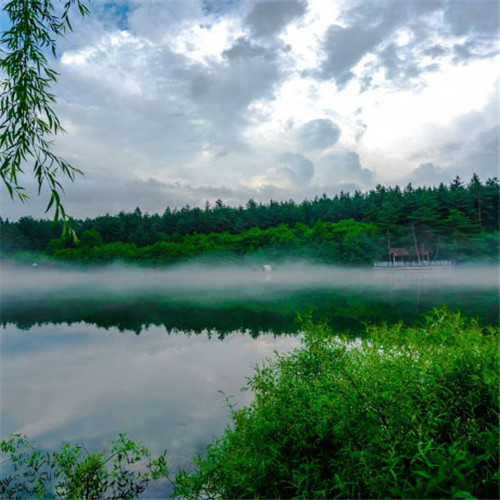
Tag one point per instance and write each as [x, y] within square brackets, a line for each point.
[239, 281]
[198, 297]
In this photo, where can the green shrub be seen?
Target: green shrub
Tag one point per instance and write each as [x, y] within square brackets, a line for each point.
[405, 412]
[122, 471]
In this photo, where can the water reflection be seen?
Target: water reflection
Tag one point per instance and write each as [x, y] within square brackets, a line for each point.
[343, 309]
[82, 384]
[73, 370]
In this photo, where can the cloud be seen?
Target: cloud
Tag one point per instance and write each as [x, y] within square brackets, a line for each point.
[475, 18]
[337, 168]
[479, 154]
[297, 166]
[473, 49]
[428, 174]
[219, 7]
[344, 48]
[222, 93]
[291, 171]
[319, 134]
[90, 197]
[482, 156]
[467, 144]
[400, 64]
[159, 20]
[396, 36]
[271, 16]
[131, 103]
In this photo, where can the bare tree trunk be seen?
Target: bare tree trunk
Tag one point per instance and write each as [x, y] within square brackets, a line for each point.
[415, 241]
[437, 248]
[389, 244]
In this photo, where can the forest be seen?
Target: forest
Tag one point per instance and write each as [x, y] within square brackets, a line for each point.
[458, 221]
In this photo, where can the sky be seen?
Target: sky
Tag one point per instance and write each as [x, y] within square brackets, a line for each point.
[176, 102]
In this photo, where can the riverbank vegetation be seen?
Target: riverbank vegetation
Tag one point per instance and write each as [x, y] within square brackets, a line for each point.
[458, 221]
[403, 412]
[124, 470]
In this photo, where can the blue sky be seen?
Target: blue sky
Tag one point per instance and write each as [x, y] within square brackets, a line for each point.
[173, 102]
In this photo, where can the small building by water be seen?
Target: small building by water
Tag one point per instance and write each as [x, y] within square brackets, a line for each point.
[417, 258]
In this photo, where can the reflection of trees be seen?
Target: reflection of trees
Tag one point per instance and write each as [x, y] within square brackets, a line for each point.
[345, 310]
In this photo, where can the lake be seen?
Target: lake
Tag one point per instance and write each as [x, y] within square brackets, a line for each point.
[89, 353]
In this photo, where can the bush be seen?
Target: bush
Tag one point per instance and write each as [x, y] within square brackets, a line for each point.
[122, 471]
[406, 412]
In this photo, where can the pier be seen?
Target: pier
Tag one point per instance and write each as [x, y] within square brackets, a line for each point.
[413, 265]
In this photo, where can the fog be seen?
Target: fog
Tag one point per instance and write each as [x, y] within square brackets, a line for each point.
[237, 281]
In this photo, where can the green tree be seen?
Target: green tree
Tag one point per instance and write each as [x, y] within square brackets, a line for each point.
[28, 121]
[90, 238]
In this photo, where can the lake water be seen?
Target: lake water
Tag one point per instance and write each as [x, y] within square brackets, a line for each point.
[87, 354]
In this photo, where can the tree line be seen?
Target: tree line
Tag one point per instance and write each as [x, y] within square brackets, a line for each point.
[457, 221]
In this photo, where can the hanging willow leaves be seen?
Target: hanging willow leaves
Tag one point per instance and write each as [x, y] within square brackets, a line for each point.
[28, 122]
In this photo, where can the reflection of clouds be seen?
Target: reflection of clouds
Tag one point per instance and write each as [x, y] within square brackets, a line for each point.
[109, 383]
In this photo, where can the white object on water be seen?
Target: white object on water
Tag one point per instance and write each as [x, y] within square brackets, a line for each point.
[267, 270]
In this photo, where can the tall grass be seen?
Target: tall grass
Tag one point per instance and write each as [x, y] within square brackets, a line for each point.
[405, 412]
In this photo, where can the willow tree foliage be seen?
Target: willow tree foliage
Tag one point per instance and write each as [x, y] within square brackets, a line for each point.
[28, 121]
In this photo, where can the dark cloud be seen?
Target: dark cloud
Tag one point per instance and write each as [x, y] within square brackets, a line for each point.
[90, 197]
[435, 51]
[482, 156]
[222, 92]
[295, 169]
[473, 49]
[218, 7]
[344, 48]
[98, 195]
[384, 15]
[399, 64]
[368, 25]
[319, 134]
[478, 17]
[428, 174]
[244, 49]
[370, 28]
[270, 17]
[344, 167]
[479, 155]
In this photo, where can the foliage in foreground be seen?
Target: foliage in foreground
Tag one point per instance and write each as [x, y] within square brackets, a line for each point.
[406, 412]
[122, 471]
[28, 120]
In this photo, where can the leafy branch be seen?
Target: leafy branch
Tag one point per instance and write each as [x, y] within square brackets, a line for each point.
[124, 470]
[28, 121]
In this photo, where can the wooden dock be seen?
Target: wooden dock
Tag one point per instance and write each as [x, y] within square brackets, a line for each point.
[413, 265]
